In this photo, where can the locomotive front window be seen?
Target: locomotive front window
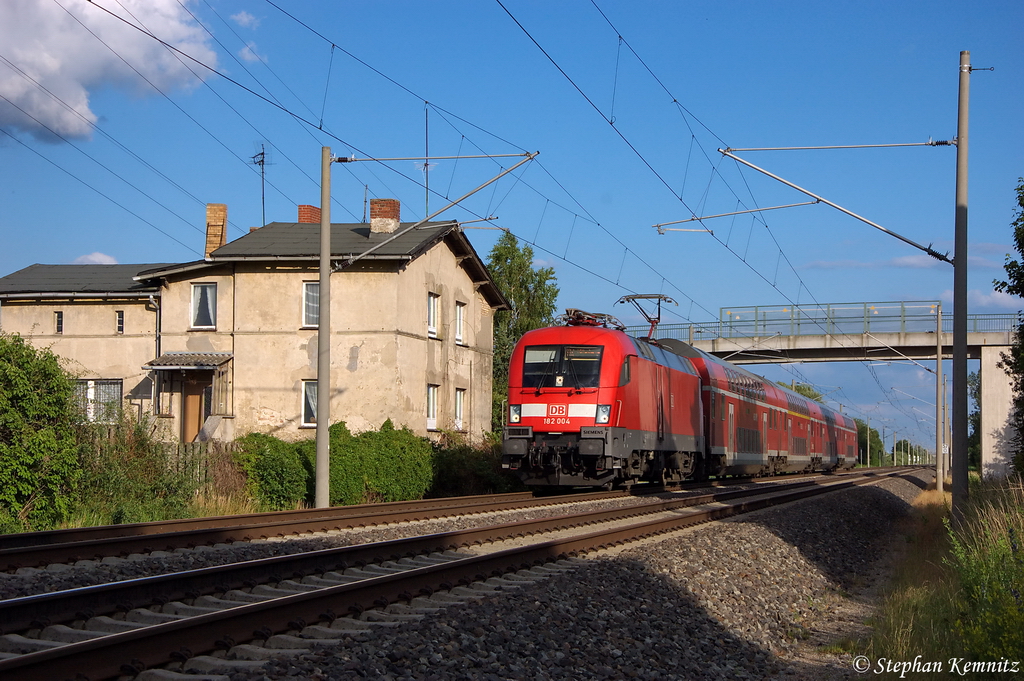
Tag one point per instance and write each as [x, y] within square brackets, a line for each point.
[558, 366]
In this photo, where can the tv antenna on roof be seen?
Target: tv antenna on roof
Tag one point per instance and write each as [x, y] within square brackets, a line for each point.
[262, 159]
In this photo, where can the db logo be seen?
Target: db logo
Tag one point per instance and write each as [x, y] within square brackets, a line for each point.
[558, 410]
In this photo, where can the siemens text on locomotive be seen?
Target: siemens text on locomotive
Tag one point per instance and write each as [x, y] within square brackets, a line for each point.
[589, 405]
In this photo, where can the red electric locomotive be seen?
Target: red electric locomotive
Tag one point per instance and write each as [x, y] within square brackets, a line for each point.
[592, 406]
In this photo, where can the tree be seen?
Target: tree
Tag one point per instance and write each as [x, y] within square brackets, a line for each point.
[974, 421]
[805, 389]
[531, 294]
[877, 446]
[39, 417]
[1013, 361]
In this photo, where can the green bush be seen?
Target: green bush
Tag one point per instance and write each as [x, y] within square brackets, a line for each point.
[129, 477]
[278, 473]
[38, 450]
[375, 466]
[462, 469]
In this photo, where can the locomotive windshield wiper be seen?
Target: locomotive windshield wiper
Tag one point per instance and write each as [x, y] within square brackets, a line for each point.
[576, 378]
[540, 383]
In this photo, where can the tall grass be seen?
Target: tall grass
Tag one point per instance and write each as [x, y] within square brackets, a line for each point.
[128, 476]
[988, 559]
[957, 588]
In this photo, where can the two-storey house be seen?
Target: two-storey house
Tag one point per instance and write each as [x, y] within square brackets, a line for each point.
[228, 345]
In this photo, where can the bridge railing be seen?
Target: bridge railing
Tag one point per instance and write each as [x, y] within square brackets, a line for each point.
[830, 319]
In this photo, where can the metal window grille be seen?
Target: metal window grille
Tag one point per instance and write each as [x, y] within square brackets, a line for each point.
[100, 400]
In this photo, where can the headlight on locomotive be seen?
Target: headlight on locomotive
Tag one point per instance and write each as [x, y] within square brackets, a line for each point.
[515, 413]
[604, 413]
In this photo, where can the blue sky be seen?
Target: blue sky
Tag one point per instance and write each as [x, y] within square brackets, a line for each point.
[626, 102]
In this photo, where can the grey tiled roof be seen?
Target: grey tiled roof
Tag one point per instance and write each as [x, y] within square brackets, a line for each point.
[78, 280]
[189, 360]
[298, 239]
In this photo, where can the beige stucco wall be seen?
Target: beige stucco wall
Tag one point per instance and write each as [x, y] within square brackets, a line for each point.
[381, 356]
[90, 346]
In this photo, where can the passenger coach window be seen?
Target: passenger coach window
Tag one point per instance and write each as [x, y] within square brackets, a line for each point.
[562, 366]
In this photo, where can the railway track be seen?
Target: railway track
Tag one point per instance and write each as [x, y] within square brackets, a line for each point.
[255, 609]
[35, 549]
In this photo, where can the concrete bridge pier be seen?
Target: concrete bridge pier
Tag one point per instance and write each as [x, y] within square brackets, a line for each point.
[996, 410]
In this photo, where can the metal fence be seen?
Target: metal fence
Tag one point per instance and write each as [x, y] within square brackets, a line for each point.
[827, 319]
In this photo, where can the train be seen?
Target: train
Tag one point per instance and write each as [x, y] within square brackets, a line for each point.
[591, 406]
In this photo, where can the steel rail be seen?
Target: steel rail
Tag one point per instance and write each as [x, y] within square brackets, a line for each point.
[132, 652]
[77, 534]
[41, 610]
[69, 552]
[34, 549]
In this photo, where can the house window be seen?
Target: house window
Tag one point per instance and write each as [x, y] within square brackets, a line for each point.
[310, 303]
[120, 321]
[58, 322]
[460, 321]
[309, 403]
[204, 306]
[433, 303]
[460, 406]
[432, 407]
[99, 400]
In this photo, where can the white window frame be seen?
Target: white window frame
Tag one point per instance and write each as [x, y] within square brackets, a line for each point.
[460, 322]
[309, 406]
[309, 319]
[211, 288]
[433, 306]
[460, 407]
[119, 323]
[58, 322]
[432, 394]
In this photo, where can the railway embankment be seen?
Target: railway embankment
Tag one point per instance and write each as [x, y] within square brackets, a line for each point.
[757, 597]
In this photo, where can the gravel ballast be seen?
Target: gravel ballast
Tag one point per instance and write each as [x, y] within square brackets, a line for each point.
[726, 600]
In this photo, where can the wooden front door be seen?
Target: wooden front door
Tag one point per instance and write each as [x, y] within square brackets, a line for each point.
[196, 393]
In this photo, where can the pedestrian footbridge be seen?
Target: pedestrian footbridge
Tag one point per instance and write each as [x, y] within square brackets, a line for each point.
[864, 332]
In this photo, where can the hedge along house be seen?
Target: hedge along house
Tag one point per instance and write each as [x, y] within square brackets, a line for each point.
[233, 337]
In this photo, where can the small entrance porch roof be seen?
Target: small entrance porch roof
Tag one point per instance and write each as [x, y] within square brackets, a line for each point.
[188, 360]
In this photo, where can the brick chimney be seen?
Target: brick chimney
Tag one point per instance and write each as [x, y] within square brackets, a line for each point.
[309, 214]
[216, 226]
[385, 214]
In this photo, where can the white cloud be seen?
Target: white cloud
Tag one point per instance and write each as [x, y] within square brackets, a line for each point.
[245, 20]
[915, 262]
[993, 300]
[74, 52]
[249, 53]
[95, 258]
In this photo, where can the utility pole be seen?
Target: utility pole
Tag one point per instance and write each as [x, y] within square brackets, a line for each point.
[940, 465]
[323, 341]
[959, 452]
[867, 458]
